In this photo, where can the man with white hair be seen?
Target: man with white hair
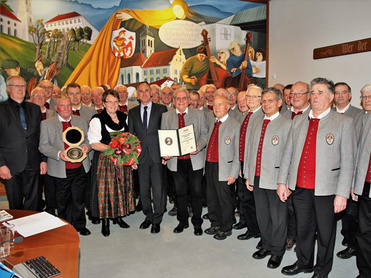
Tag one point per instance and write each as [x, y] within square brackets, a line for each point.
[124, 104]
[86, 96]
[97, 98]
[156, 93]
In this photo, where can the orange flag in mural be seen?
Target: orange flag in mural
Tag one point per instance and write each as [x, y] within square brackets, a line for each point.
[101, 65]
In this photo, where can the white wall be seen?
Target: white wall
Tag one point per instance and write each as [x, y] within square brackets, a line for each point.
[296, 27]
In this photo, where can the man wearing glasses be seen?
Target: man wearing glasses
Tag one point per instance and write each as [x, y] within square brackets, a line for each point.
[47, 86]
[299, 100]
[20, 159]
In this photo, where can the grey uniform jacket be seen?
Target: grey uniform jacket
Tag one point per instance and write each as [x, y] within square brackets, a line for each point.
[335, 153]
[198, 119]
[87, 113]
[363, 155]
[51, 142]
[228, 143]
[273, 147]
[259, 114]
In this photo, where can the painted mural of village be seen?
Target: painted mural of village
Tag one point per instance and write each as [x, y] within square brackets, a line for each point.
[62, 46]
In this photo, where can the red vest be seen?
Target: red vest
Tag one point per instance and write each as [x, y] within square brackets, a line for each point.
[213, 146]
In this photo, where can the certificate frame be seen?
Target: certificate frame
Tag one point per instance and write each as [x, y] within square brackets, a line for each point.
[177, 142]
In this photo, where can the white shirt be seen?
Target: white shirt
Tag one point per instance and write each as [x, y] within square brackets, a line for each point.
[344, 109]
[271, 118]
[320, 116]
[95, 131]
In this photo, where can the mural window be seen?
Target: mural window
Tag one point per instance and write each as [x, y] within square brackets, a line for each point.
[1, 20]
[158, 78]
[151, 72]
[164, 71]
[157, 71]
[151, 80]
[129, 81]
[1, 28]
[15, 24]
[122, 79]
[145, 72]
[176, 79]
[149, 43]
[176, 72]
[137, 77]
[9, 31]
[15, 32]
[146, 79]
[79, 20]
[8, 22]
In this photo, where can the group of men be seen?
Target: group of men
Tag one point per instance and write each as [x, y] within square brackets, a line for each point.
[295, 156]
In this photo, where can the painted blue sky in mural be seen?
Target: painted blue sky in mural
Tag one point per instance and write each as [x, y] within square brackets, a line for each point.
[99, 11]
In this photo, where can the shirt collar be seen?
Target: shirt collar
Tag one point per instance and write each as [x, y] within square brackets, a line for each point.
[74, 109]
[185, 111]
[63, 120]
[223, 119]
[271, 118]
[292, 109]
[320, 116]
[344, 109]
[149, 105]
[256, 110]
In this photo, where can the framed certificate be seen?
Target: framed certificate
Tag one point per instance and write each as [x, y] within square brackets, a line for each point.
[177, 142]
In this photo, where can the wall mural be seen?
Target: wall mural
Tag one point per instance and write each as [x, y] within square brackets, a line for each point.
[94, 42]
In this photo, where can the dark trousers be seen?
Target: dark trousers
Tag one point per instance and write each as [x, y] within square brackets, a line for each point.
[247, 203]
[50, 191]
[349, 223]
[70, 193]
[271, 214]
[151, 174]
[291, 219]
[364, 233]
[315, 219]
[220, 199]
[239, 193]
[23, 190]
[186, 180]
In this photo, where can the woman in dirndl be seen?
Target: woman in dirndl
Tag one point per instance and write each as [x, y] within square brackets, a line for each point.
[112, 194]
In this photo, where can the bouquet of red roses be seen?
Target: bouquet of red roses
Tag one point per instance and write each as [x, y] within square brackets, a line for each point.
[124, 149]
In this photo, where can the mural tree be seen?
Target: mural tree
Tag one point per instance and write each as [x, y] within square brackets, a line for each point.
[38, 34]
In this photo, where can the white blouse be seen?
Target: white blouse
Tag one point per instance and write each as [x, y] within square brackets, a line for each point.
[95, 131]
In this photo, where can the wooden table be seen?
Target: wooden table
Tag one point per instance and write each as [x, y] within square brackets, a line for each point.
[59, 246]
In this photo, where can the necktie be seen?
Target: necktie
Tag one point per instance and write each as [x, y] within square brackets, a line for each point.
[47, 105]
[22, 117]
[145, 115]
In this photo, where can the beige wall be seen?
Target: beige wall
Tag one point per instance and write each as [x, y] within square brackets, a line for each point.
[296, 27]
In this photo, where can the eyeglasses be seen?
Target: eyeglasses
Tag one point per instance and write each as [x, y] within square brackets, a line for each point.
[18, 86]
[37, 95]
[365, 97]
[112, 102]
[252, 96]
[298, 94]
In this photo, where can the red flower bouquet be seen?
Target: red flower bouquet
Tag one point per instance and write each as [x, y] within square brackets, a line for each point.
[124, 149]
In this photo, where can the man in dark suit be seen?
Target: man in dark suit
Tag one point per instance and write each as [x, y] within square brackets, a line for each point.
[317, 165]
[20, 159]
[144, 121]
